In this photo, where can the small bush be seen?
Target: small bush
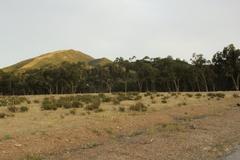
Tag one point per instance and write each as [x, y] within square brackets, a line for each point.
[2, 115]
[235, 95]
[104, 98]
[138, 98]
[189, 95]
[94, 105]
[147, 94]
[198, 95]
[36, 101]
[116, 101]
[164, 101]
[220, 95]
[121, 109]
[73, 111]
[49, 104]
[24, 109]
[77, 104]
[12, 109]
[140, 107]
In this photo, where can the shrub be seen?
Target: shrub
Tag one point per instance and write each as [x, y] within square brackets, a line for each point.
[104, 98]
[116, 101]
[198, 95]
[164, 101]
[73, 111]
[12, 109]
[220, 95]
[235, 95]
[94, 105]
[36, 101]
[140, 107]
[138, 97]
[49, 104]
[2, 115]
[24, 109]
[189, 95]
[147, 94]
[77, 104]
[99, 110]
[121, 109]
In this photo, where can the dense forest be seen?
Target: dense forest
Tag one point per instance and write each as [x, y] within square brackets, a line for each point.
[221, 73]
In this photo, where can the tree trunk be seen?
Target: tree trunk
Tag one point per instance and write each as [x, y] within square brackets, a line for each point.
[125, 87]
[140, 86]
[176, 86]
[205, 82]
[236, 83]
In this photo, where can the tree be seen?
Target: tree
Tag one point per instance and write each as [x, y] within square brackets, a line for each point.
[228, 61]
[200, 65]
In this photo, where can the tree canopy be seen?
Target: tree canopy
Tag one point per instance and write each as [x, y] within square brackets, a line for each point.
[146, 74]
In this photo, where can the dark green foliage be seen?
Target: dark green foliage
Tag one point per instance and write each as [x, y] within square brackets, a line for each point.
[49, 104]
[140, 107]
[23, 109]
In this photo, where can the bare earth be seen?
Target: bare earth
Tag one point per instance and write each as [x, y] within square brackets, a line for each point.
[199, 129]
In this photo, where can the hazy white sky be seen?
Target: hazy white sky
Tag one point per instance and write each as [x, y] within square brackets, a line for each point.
[113, 28]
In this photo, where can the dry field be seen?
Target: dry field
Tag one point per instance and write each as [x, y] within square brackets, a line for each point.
[146, 126]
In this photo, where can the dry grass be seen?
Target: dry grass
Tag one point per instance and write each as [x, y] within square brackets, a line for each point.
[54, 130]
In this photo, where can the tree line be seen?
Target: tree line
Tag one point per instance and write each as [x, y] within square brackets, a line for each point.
[221, 73]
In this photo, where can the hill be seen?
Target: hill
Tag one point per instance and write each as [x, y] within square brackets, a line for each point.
[55, 59]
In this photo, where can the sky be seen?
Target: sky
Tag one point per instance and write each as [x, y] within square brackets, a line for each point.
[117, 28]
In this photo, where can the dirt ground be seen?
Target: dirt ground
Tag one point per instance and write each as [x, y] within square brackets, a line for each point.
[182, 128]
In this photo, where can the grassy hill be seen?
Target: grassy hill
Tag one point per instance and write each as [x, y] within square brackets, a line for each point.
[55, 59]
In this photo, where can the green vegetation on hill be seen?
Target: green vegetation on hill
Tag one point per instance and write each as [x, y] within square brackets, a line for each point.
[55, 59]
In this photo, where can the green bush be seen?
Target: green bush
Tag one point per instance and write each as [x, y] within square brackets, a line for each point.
[77, 104]
[49, 104]
[140, 107]
[24, 109]
[95, 104]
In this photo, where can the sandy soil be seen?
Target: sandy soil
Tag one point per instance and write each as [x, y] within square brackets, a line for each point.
[188, 128]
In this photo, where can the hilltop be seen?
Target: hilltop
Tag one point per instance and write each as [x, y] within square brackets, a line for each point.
[55, 59]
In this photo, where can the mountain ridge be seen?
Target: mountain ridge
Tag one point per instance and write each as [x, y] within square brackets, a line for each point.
[55, 58]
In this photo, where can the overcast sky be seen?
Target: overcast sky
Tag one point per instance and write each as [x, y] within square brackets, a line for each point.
[113, 28]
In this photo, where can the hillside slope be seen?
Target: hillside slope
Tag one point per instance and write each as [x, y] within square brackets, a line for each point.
[55, 59]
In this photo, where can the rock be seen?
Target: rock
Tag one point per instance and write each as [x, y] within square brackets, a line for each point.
[18, 145]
